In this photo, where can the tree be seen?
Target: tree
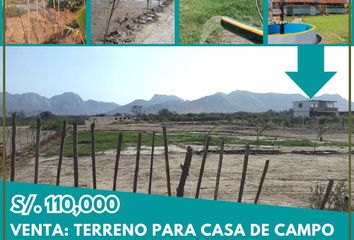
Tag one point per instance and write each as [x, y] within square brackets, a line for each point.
[46, 115]
[165, 113]
[137, 110]
[114, 5]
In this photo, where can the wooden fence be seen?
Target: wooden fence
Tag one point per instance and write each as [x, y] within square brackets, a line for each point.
[184, 168]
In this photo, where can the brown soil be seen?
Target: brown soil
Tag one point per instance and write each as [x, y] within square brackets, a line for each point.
[288, 181]
[227, 37]
[53, 28]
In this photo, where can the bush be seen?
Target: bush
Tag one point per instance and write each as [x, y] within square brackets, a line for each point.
[71, 5]
[336, 198]
[74, 5]
[13, 11]
[62, 4]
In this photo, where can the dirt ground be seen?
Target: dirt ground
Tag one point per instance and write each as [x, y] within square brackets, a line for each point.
[133, 23]
[50, 28]
[161, 31]
[288, 182]
[227, 37]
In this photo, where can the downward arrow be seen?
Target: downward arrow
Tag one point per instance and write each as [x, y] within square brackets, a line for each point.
[311, 76]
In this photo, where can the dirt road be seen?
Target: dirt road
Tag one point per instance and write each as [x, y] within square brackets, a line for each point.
[133, 23]
[161, 31]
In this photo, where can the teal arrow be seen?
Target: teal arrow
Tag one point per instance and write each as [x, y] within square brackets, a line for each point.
[311, 76]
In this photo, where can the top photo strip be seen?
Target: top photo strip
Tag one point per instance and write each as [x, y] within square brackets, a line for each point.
[177, 22]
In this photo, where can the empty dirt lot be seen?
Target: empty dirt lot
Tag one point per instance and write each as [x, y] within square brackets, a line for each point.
[288, 182]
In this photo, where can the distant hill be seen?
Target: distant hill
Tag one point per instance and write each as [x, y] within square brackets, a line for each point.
[63, 104]
[236, 101]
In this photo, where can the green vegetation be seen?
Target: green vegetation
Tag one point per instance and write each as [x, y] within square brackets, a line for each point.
[71, 5]
[13, 11]
[333, 29]
[337, 198]
[107, 140]
[196, 13]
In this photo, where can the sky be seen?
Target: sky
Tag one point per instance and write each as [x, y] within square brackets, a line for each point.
[123, 74]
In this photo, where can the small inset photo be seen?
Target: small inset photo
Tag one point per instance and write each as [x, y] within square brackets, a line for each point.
[45, 21]
[308, 22]
[133, 21]
[221, 22]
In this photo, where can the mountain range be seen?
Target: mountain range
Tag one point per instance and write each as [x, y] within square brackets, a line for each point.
[236, 101]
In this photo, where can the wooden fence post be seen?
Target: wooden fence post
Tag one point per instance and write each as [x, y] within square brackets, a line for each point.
[137, 162]
[13, 146]
[61, 150]
[346, 207]
[167, 164]
[38, 142]
[205, 154]
[218, 174]
[75, 155]
[151, 161]
[119, 149]
[185, 172]
[93, 155]
[244, 171]
[262, 181]
[327, 194]
[27, 139]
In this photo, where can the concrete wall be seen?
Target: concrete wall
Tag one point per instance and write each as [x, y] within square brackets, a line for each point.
[107, 120]
[301, 109]
[307, 10]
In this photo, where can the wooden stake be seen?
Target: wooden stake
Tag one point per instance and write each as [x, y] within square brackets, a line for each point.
[116, 166]
[38, 142]
[151, 161]
[218, 175]
[44, 12]
[75, 155]
[61, 150]
[13, 146]
[136, 174]
[28, 22]
[185, 172]
[346, 207]
[327, 194]
[37, 13]
[205, 154]
[262, 181]
[167, 164]
[93, 155]
[244, 171]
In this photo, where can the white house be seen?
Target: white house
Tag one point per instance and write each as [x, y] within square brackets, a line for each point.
[312, 108]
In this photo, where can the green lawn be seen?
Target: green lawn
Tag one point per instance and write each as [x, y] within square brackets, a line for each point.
[108, 141]
[194, 14]
[334, 29]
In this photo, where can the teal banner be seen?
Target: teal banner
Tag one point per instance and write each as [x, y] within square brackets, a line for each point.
[49, 212]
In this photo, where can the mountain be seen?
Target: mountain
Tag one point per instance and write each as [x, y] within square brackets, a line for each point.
[63, 104]
[236, 101]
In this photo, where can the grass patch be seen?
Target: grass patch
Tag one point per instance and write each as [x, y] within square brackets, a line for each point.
[108, 140]
[333, 28]
[195, 13]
